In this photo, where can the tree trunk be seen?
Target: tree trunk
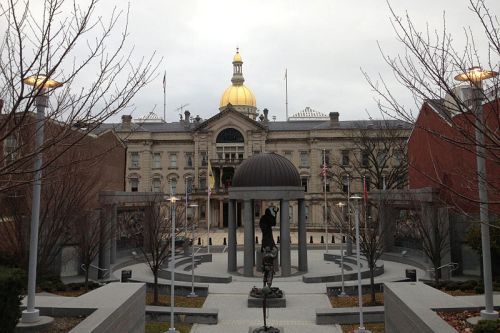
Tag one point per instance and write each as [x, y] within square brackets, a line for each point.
[87, 267]
[372, 284]
[155, 288]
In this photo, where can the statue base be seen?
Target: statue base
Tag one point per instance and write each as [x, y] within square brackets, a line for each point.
[276, 299]
[268, 329]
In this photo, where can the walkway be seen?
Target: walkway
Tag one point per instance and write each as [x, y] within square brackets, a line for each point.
[302, 299]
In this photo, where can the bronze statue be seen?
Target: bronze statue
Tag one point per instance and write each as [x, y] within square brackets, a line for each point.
[269, 254]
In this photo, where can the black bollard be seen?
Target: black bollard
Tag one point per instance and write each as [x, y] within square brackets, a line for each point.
[311, 239]
[225, 241]
[256, 239]
[278, 241]
[333, 239]
[199, 241]
[210, 241]
[322, 240]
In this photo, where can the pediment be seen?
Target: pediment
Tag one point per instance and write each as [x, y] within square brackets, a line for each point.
[229, 117]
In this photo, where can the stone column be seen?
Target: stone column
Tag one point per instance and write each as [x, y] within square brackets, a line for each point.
[253, 232]
[302, 236]
[112, 236]
[104, 244]
[285, 258]
[248, 238]
[231, 235]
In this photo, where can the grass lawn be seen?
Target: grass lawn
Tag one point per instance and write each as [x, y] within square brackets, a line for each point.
[180, 301]
[352, 301]
[161, 327]
[373, 327]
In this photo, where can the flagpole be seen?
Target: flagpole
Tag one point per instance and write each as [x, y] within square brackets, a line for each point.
[165, 96]
[365, 199]
[209, 171]
[326, 218]
[286, 93]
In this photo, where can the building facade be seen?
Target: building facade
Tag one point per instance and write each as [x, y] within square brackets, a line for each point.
[174, 157]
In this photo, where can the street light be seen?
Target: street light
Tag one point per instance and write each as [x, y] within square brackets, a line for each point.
[172, 200]
[475, 76]
[42, 83]
[341, 205]
[192, 294]
[361, 328]
[186, 179]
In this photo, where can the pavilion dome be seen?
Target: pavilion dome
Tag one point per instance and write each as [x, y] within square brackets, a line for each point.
[266, 169]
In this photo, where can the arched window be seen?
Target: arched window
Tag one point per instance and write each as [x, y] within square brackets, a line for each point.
[230, 135]
[230, 145]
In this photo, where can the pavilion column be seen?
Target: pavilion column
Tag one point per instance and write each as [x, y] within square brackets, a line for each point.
[285, 258]
[302, 236]
[231, 235]
[248, 240]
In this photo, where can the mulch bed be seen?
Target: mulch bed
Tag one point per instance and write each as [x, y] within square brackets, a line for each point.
[373, 327]
[180, 301]
[62, 324]
[352, 301]
[459, 320]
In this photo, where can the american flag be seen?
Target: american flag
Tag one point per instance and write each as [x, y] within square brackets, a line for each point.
[324, 170]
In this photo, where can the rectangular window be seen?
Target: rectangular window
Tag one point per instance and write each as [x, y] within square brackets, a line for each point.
[345, 184]
[327, 186]
[304, 159]
[156, 160]
[134, 185]
[203, 209]
[382, 158]
[189, 160]
[303, 181]
[345, 157]
[173, 160]
[189, 185]
[288, 155]
[10, 148]
[173, 186]
[156, 184]
[134, 156]
[325, 157]
[398, 157]
[256, 152]
[203, 183]
[256, 209]
[203, 158]
[365, 163]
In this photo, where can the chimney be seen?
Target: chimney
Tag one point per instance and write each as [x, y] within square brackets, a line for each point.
[334, 119]
[266, 112]
[126, 122]
[186, 117]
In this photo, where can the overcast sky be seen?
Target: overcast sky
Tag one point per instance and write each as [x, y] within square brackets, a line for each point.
[322, 43]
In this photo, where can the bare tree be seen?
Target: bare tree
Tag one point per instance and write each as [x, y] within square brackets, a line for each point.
[153, 236]
[87, 53]
[427, 64]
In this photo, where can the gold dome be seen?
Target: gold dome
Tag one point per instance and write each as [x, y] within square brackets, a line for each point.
[238, 95]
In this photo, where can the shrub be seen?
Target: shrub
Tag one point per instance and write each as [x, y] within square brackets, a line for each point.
[479, 290]
[487, 326]
[11, 285]
[468, 285]
[453, 285]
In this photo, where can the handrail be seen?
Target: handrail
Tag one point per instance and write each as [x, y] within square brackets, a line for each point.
[453, 265]
[94, 266]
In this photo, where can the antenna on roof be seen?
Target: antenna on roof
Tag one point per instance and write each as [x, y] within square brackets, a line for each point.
[181, 108]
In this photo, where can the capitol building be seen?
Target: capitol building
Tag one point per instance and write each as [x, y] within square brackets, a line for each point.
[173, 157]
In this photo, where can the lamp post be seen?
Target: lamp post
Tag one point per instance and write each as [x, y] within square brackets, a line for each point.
[42, 83]
[341, 205]
[475, 76]
[192, 294]
[361, 328]
[324, 171]
[186, 179]
[172, 200]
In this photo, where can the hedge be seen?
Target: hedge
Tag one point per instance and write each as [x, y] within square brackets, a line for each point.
[11, 286]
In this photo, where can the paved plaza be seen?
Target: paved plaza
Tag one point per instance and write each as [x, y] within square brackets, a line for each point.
[302, 298]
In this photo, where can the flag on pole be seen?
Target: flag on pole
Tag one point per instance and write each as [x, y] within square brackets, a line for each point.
[324, 170]
[211, 179]
[365, 191]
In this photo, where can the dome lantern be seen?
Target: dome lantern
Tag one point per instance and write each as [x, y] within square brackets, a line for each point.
[237, 94]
